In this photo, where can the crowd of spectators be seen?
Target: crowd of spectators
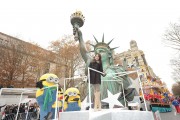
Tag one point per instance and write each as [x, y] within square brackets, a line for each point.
[24, 108]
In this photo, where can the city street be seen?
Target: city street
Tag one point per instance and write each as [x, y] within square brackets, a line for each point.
[170, 116]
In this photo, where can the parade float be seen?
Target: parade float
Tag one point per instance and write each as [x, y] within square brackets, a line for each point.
[115, 90]
[157, 94]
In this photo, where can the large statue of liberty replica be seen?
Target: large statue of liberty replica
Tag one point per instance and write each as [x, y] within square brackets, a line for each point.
[115, 85]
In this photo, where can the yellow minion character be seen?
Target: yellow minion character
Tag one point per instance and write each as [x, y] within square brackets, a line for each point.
[46, 95]
[72, 100]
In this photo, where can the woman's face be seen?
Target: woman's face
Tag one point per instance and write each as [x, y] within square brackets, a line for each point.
[96, 57]
[102, 51]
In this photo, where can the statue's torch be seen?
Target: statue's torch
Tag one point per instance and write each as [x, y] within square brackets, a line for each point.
[77, 21]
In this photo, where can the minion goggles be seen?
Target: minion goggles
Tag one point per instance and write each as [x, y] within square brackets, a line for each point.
[72, 94]
[51, 80]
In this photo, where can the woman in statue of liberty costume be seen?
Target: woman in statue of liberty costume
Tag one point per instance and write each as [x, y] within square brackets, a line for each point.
[112, 71]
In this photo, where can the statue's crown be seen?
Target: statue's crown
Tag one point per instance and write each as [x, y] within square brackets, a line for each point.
[102, 44]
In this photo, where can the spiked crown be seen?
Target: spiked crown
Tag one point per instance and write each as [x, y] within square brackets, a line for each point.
[102, 44]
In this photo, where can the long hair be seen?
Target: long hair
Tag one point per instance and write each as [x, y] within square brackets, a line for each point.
[99, 55]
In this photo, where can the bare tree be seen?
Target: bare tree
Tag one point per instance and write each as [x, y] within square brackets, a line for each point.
[20, 63]
[10, 65]
[175, 63]
[171, 38]
[69, 54]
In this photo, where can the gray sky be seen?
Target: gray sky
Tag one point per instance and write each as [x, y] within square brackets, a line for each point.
[145, 21]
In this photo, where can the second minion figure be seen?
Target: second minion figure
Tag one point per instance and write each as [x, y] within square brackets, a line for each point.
[72, 101]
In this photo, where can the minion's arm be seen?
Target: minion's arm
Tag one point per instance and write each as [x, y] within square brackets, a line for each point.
[79, 103]
[65, 105]
[39, 92]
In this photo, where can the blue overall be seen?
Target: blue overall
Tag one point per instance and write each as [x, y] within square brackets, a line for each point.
[45, 109]
[73, 107]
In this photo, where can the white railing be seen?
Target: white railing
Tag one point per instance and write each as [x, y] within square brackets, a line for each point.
[27, 91]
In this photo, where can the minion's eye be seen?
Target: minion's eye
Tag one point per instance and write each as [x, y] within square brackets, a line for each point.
[75, 94]
[56, 80]
[51, 78]
[70, 93]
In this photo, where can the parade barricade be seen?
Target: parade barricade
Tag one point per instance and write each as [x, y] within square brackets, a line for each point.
[21, 116]
[9, 116]
[27, 116]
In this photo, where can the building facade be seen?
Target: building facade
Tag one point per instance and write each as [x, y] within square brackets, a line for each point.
[135, 58]
[22, 63]
[155, 91]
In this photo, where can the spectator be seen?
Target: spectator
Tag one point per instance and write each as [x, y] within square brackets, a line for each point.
[2, 107]
[176, 104]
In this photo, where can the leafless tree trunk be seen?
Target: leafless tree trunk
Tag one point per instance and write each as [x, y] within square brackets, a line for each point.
[171, 38]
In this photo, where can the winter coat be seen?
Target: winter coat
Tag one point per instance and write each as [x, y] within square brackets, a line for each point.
[175, 102]
[95, 77]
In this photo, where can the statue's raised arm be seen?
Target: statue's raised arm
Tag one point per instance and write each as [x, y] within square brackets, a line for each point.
[78, 37]
[77, 21]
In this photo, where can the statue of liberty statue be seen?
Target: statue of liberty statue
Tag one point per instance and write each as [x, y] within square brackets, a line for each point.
[115, 86]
